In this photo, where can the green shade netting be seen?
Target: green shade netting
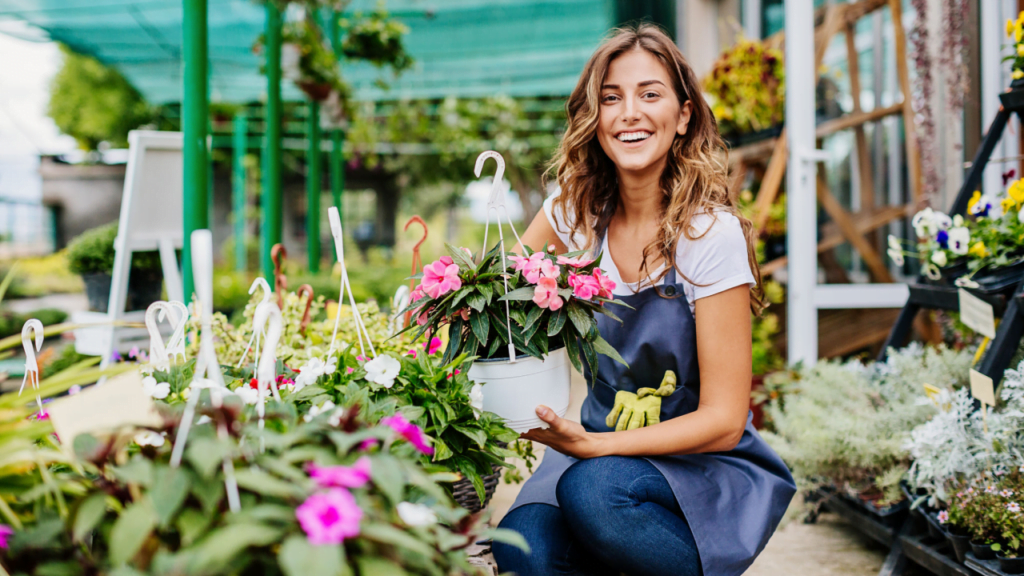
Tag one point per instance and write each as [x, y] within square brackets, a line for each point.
[466, 48]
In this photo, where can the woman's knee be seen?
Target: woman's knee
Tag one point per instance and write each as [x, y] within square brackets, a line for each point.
[590, 486]
[545, 531]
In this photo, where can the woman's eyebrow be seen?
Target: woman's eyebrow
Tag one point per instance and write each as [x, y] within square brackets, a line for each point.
[641, 84]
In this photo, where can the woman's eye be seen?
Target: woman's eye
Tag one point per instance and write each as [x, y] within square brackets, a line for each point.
[608, 98]
[651, 95]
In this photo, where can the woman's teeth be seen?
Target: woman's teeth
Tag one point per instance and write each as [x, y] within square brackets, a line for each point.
[633, 136]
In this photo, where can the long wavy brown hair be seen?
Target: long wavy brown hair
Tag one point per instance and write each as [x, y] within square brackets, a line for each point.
[695, 179]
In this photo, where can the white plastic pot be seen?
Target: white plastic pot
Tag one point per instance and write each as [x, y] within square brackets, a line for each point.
[513, 391]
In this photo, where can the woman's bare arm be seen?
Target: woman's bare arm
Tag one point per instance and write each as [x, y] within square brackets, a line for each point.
[724, 356]
[539, 235]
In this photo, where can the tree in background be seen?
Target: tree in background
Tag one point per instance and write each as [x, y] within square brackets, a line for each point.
[93, 103]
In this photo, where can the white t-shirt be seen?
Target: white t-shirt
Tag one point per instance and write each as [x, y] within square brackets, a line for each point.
[717, 260]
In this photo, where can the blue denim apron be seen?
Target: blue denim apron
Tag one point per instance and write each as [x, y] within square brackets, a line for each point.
[732, 500]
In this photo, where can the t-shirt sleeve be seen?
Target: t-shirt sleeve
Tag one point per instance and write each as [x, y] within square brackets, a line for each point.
[716, 261]
[562, 223]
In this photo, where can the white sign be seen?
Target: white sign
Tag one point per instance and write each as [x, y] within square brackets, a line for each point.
[982, 388]
[977, 314]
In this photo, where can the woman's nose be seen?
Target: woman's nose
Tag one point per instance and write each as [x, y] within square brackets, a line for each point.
[630, 111]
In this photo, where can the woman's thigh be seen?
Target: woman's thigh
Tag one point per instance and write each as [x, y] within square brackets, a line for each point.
[623, 511]
[552, 549]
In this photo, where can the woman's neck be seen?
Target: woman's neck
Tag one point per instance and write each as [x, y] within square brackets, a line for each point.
[640, 198]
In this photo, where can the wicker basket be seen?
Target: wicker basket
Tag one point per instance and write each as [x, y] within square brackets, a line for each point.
[465, 495]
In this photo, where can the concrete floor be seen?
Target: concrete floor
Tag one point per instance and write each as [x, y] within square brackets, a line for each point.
[831, 547]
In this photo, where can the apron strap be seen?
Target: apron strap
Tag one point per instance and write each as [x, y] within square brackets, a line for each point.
[670, 277]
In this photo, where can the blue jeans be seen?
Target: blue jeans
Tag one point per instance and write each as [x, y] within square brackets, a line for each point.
[615, 515]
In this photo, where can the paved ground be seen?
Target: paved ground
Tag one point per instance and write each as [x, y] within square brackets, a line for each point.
[831, 547]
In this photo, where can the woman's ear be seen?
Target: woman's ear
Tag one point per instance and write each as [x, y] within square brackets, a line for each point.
[684, 118]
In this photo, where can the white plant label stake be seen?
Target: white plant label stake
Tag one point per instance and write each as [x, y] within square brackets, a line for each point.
[266, 371]
[339, 247]
[157, 352]
[207, 373]
[259, 282]
[176, 346]
[32, 327]
[497, 204]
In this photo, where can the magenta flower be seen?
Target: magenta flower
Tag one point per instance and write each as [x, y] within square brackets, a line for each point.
[409, 431]
[354, 476]
[329, 517]
[454, 374]
[583, 286]
[368, 443]
[546, 295]
[943, 517]
[416, 295]
[440, 278]
[5, 533]
[605, 284]
[412, 352]
[433, 346]
[577, 262]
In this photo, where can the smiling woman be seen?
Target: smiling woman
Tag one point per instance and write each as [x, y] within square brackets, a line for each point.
[643, 181]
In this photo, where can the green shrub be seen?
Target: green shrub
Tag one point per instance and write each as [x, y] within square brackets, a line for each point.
[93, 253]
[12, 322]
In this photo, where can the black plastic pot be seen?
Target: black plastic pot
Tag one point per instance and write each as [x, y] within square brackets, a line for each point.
[961, 545]
[1011, 565]
[144, 288]
[934, 528]
[1013, 99]
[982, 551]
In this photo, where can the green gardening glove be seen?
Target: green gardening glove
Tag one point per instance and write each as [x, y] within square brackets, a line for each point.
[632, 411]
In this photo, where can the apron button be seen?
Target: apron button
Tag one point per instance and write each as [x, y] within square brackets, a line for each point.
[670, 290]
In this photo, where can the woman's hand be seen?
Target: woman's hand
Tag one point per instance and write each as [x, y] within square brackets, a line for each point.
[565, 436]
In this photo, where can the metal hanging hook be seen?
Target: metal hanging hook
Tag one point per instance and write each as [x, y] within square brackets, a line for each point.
[417, 261]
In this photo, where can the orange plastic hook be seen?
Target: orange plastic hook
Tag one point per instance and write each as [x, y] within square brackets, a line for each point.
[308, 291]
[417, 262]
[277, 255]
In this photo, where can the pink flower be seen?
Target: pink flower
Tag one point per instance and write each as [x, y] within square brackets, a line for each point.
[422, 317]
[5, 533]
[368, 443]
[605, 284]
[464, 314]
[329, 517]
[341, 476]
[577, 262]
[412, 352]
[349, 370]
[409, 431]
[440, 278]
[523, 263]
[546, 295]
[584, 287]
[361, 358]
[433, 346]
[454, 374]
[543, 268]
[416, 295]
[943, 517]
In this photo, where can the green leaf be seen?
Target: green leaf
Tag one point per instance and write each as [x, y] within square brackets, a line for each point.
[387, 534]
[460, 258]
[481, 326]
[170, 487]
[476, 301]
[475, 434]
[258, 481]
[486, 291]
[524, 293]
[89, 514]
[218, 549]
[205, 455]
[370, 566]
[308, 392]
[510, 537]
[494, 346]
[574, 352]
[413, 413]
[209, 494]
[192, 524]
[441, 451]
[300, 558]
[588, 353]
[533, 316]
[69, 568]
[603, 347]
[459, 296]
[557, 321]
[581, 319]
[388, 476]
[130, 531]
[138, 470]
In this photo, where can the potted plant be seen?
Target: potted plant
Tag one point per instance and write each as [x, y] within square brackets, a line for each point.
[539, 307]
[377, 39]
[91, 255]
[764, 355]
[747, 87]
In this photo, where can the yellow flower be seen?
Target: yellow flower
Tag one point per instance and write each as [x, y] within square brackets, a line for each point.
[1020, 49]
[1016, 191]
[1009, 26]
[1008, 204]
[974, 200]
[1018, 32]
[1017, 74]
[978, 249]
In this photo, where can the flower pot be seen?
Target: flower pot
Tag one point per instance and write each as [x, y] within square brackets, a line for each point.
[1013, 99]
[961, 545]
[934, 528]
[97, 290]
[1011, 565]
[318, 92]
[144, 288]
[982, 551]
[465, 495]
[513, 391]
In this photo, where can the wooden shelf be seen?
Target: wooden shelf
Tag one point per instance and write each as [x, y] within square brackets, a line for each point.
[932, 556]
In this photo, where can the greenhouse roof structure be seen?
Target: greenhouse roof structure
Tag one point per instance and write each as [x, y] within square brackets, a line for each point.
[464, 48]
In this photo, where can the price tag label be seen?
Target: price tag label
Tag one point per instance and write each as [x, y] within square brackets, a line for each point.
[982, 388]
[120, 402]
[977, 314]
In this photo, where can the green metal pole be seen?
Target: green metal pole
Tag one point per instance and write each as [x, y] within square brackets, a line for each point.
[271, 229]
[313, 165]
[240, 145]
[337, 136]
[194, 117]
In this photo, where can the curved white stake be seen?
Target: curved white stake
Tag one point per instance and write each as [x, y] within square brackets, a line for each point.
[497, 204]
[398, 303]
[176, 345]
[207, 372]
[339, 247]
[157, 352]
[266, 371]
[259, 282]
[32, 327]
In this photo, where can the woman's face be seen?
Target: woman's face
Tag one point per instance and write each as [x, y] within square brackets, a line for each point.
[640, 113]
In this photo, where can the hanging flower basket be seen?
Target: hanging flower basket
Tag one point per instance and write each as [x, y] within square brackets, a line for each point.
[316, 91]
[514, 390]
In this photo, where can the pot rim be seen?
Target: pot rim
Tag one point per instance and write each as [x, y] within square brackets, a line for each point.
[518, 357]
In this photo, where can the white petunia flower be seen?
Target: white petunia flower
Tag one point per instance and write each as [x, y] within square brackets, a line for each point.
[149, 438]
[931, 271]
[959, 240]
[476, 399]
[251, 395]
[315, 411]
[416, 515]
[924, 223]
[383, 370]
[309, 373]
[896, 255]
[965, 282]
[939, 258]
[894, 243]
[330, 365]
[154, 389]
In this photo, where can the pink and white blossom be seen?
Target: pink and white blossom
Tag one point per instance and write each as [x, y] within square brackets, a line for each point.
[546, 295]
[329, 517]
[355, 476]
